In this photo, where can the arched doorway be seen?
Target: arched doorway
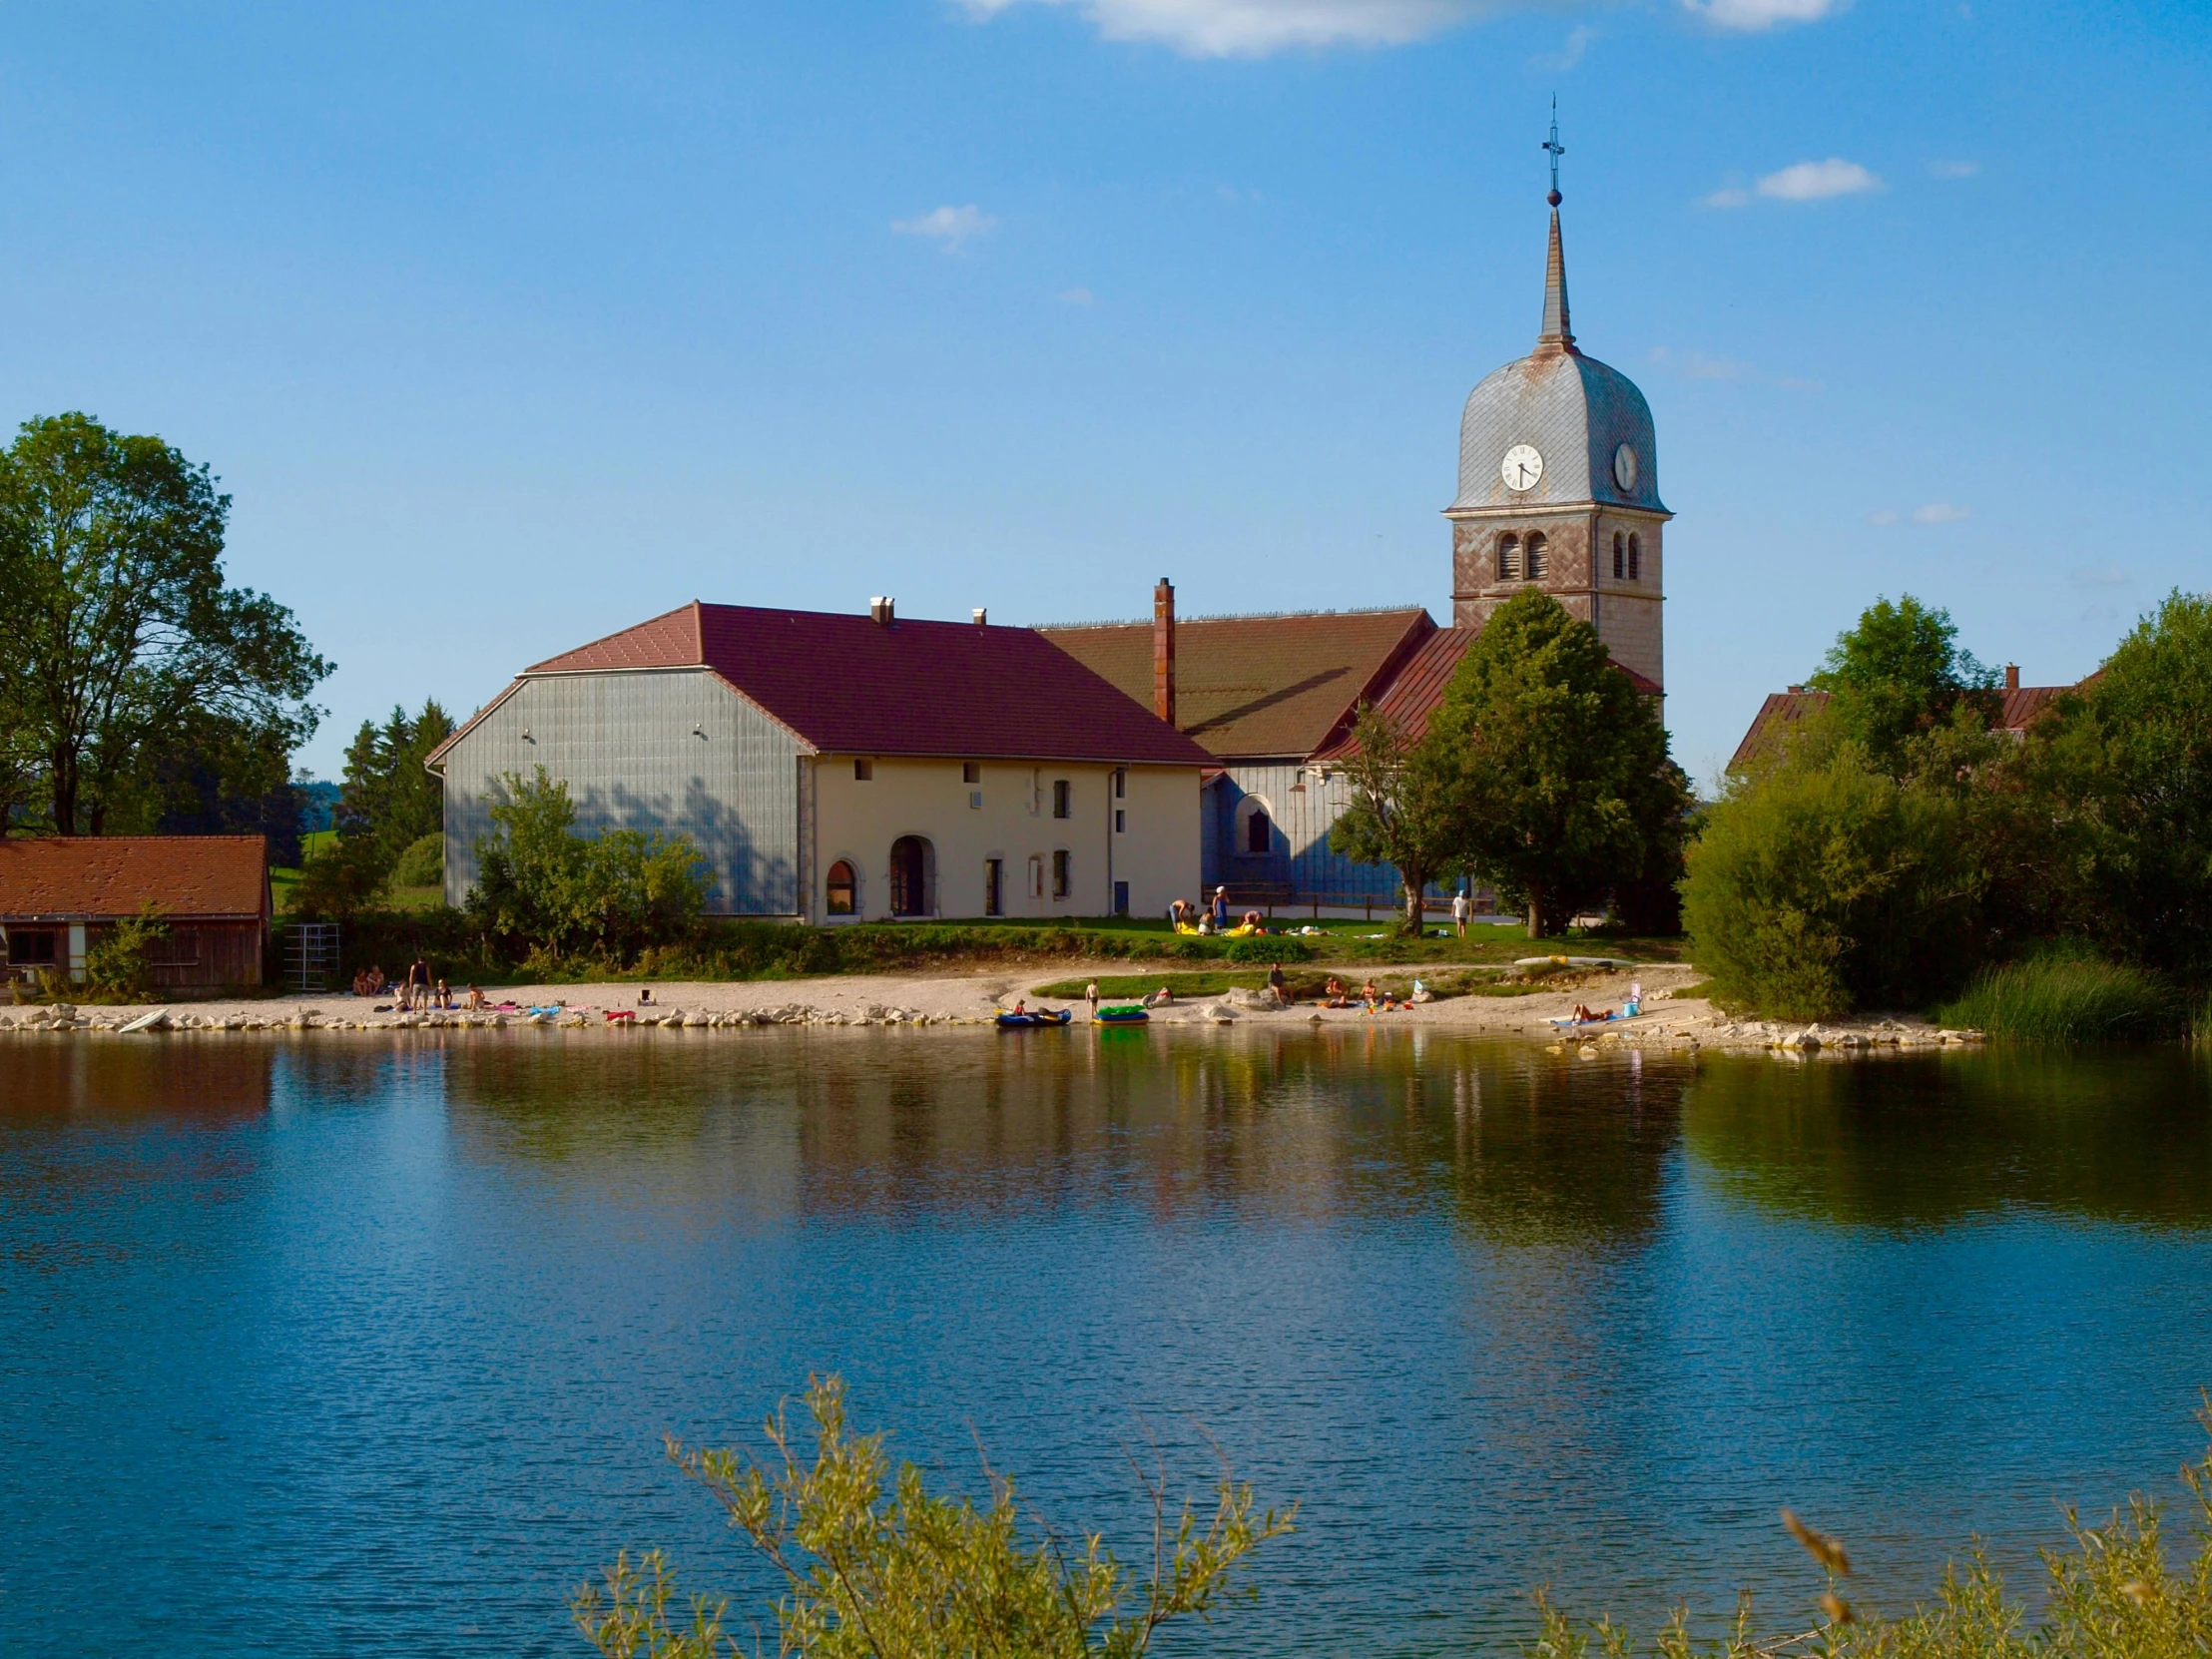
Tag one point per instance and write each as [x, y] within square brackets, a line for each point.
[913, 874]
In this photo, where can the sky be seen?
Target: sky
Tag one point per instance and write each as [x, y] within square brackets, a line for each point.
[509, 325]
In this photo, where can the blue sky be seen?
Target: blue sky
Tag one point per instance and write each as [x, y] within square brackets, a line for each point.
[508, 326]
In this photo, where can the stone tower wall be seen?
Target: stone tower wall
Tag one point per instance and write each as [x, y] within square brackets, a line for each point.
[1578, 573]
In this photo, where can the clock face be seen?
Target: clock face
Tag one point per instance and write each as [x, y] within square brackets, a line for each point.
[1624, 469]
[1521, 467]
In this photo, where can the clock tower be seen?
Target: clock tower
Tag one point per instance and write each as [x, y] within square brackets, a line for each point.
[1559, 487]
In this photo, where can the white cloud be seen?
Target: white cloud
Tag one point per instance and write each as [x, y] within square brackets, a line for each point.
[1731, 197]
[1818, 181]
[1256, 28]
[947, 226]
[1075, 297]
[1953, 169]
[1939, 512]
[1886, 515]
[1577, 44]
[1752, 16]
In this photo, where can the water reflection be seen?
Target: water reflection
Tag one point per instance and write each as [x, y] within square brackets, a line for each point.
[2120, 1135]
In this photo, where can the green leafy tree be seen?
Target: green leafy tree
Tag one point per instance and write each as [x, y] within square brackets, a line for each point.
[1823, 884]
[1403, 810]
[1897, 676]
[120, 965]
[340, 880]
[386, 796]
[875, 1566]
[2120, 775]
[118, 620]
[541, 883]
[1565, 790]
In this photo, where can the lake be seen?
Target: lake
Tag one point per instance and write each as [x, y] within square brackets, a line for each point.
[352, 1343]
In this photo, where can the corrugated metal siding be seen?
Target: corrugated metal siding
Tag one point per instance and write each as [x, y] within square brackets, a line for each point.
[1303, 820]
[626, 746]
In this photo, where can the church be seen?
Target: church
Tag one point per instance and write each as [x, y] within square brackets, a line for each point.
[1558, 490]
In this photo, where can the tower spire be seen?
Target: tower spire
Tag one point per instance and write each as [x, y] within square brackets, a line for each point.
[1556, 329]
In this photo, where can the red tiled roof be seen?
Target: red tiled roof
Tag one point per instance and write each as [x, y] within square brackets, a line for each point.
[847, 684]
[98, 877]
[1418, 690]
[2023, 705]
[1253, 687]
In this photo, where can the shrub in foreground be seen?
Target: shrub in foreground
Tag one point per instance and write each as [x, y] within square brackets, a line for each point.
[875, 1566]
[2066, 996]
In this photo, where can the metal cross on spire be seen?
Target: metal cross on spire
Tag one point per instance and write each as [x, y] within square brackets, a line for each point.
[1557, 150]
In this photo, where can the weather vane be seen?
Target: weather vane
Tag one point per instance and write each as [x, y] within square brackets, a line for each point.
[1557, 150]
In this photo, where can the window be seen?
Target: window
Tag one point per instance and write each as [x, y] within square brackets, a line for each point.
[1508, 558]
[1121, 820]
[862, 770]
[1036, 876]
[975, 801]
[1635, 558]
[994, 887]
[971, 772]
[1619, 556]
[843, 890]
[1536, 560]
[1063, 792]
[32, 946]
[1121, 782]
[1257, 830]
[1060, 873]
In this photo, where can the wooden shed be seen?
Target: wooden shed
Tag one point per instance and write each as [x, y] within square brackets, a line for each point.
[60, 894]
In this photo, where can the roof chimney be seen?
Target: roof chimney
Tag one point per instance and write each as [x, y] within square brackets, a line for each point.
[1163, 651]
[982, 617]
[883, 609]
[2012, 676]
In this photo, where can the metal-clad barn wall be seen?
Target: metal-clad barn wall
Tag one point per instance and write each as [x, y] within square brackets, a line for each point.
[673, 751]
[1299, 842]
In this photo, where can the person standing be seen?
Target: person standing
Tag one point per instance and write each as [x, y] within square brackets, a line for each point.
[1221, 910]
[1459, 910]
[1090, 995]
[418, 983]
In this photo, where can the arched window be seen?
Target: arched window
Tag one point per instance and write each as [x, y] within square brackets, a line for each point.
[1257, 828]
[913, 874]
[1619, 556]
[844, 890]
[1536, 556]
[1508, 558]
[1254, 828]
[1635, 558]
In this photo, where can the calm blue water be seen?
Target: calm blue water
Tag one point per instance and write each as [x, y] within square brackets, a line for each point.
[369, 1347]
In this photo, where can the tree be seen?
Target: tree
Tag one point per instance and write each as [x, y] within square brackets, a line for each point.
[1898, 675]
[118, 619]
[387, 795]
[1565, 790]
[1402, 813]
[552, 889]
[901, 1573]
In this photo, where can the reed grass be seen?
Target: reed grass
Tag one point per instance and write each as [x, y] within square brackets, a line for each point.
[2066, 996]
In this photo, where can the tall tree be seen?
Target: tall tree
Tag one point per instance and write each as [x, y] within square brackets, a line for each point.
[118, 619]
[1565, 788]
[386, 796]
[1899, 676]
[1403, 810]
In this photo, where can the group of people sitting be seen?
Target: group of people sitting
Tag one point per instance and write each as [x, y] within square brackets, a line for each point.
[416, 991]
[1373, 998]
[1213, 917]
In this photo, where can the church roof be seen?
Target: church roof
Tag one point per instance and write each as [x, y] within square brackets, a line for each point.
[1260, 687]
[1575, 411]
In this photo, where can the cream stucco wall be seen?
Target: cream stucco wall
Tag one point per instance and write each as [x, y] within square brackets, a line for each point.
[1007, 814]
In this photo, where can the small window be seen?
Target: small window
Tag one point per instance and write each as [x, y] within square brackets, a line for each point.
[1121, 820]
[841, 889]
[1508, 558]
[971, 772]
[1060, 873]
[31, 946]
[975, 801]
[1121, 782]
[1536, 560]
[994, 887]
[1257, 833]
[862, 770]
[1635, 559]
[1620, 556]
[1062, 798]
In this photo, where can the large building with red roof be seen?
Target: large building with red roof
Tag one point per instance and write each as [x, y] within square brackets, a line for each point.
[849, 765]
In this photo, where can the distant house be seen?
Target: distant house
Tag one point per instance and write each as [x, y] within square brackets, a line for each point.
[847, 767]
[1770, 728]
[59, 895]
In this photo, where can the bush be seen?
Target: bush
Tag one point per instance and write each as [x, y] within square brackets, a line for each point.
[423, 864]
[900, 1573]
[339, 881]
[120, 967]
[2067, 996]
[1820, 886]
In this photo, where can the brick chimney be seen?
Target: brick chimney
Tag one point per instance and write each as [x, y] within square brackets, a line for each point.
[1163, 651]
[883, 609]
[2012, 676]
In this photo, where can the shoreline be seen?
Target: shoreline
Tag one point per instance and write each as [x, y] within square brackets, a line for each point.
[975, 999]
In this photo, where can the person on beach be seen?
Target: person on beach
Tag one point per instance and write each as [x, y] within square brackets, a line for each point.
[1460, 911]
[475, 999]
[1278, 986]
[418, 983]
[1221, 910]
[1336, 995]
[1090, 995]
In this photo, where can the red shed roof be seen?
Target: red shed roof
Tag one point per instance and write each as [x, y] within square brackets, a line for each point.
[2022, 706]
[847, 684]
[100, 877]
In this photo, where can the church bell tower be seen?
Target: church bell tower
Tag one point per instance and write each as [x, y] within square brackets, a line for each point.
[1559, 487]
